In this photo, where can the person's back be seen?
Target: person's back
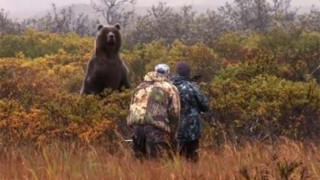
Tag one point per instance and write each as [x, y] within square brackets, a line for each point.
[193, 102]
[154, 114]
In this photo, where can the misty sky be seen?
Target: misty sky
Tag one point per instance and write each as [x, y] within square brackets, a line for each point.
[41, 5]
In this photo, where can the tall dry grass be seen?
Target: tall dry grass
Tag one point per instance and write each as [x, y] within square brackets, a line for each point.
[285, 159]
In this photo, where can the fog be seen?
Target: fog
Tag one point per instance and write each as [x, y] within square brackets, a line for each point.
[34, 6]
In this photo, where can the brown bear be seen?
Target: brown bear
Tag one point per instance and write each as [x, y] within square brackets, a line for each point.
[106, 69]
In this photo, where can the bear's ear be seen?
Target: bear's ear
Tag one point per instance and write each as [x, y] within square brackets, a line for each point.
[117, 26]
[99, 26]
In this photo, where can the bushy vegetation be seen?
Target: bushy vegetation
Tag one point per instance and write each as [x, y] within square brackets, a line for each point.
[260, 86]
[261, 79]
[162, 22]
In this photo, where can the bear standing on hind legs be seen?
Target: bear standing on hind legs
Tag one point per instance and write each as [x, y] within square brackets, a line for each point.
[106, 69]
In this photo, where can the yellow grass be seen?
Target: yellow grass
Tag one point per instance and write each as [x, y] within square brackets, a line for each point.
[284, 160]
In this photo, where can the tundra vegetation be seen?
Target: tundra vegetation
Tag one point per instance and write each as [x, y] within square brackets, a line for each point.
[258, 62]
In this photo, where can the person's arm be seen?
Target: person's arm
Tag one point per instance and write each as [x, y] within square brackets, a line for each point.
[201, 99]
[132, 101]
[174, 111]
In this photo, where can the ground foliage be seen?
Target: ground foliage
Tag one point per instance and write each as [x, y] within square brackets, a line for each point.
[262, 86]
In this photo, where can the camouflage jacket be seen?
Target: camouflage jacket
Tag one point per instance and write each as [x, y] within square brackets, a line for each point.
[156, 102]
[193, 101]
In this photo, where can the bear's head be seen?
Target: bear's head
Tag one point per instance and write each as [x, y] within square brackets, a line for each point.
[108, 39]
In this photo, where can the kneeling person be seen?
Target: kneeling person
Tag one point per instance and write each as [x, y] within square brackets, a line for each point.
[154, 114]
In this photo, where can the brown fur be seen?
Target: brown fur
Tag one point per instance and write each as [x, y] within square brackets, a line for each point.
[106, 69]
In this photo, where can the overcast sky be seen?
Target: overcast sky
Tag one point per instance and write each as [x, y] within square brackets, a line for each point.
[21, 6]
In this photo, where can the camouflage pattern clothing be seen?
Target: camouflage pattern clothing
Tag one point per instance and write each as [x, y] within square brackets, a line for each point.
[193, 101]
[154, 114]
[150, 142]
[155, 102]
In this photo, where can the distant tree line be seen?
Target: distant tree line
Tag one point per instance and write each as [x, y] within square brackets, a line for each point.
[162, 22]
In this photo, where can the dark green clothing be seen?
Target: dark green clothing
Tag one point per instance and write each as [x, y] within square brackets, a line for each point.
[193, 102]
[150, 141]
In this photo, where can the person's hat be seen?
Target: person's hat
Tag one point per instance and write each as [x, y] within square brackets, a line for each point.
[183, 69]
[162, 68]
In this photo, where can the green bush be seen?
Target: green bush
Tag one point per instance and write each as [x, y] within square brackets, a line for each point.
[37, 44]
[259, 86]
[264, 106]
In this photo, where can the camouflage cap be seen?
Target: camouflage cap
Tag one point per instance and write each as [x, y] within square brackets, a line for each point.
[162, 68]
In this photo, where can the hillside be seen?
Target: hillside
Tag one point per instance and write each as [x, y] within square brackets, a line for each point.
[263, 120]
[258, 69]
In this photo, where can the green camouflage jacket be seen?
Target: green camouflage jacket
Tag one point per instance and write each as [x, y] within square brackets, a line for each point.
[193, 102]
[156, 102]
